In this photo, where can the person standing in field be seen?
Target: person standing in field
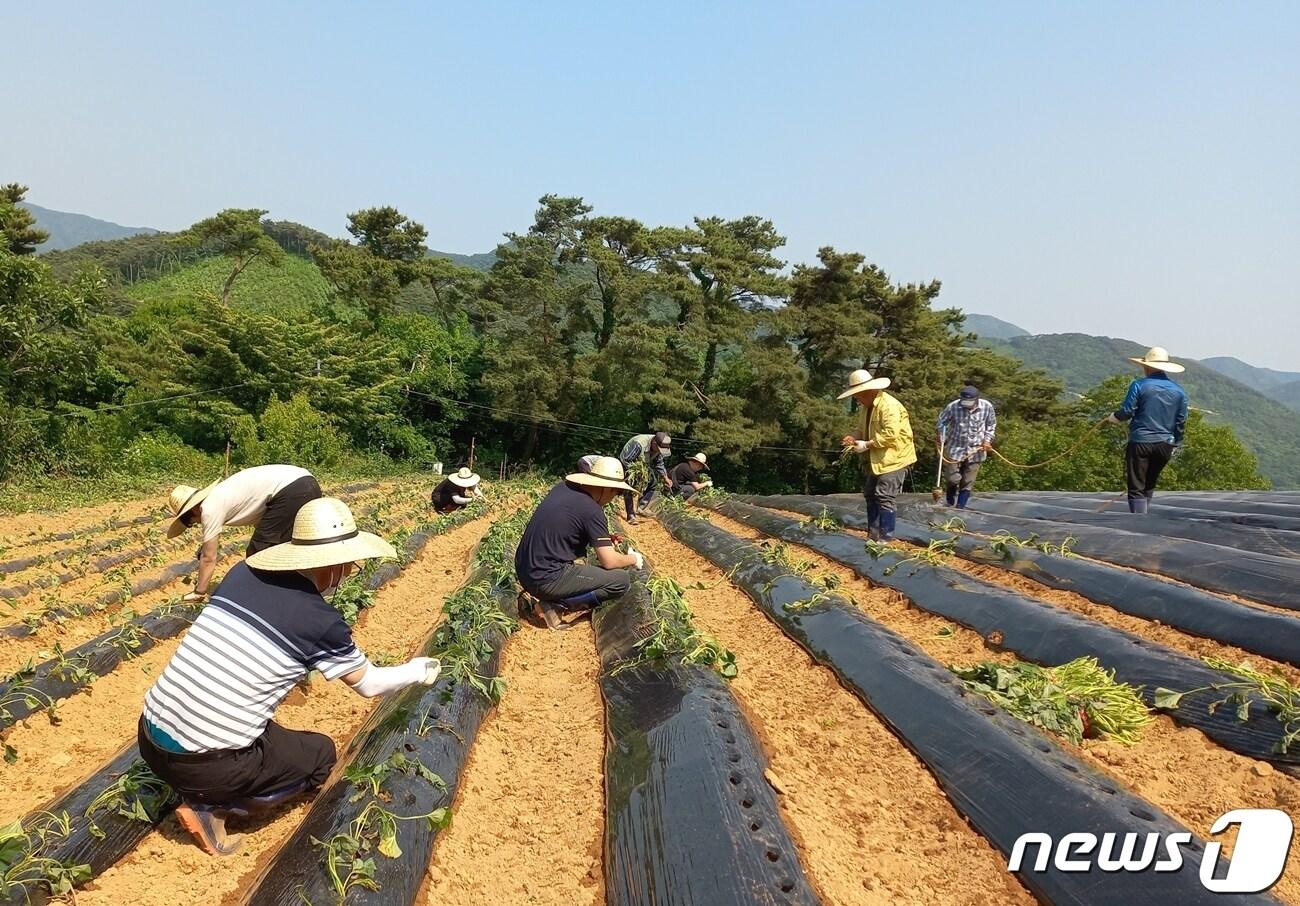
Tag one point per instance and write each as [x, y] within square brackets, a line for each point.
[568, 521]
[653, 450]
[456, 491]
[268, 497]
[206, 727]
[967, 426]
[884, 441]
[1156, 409]
[685, 476]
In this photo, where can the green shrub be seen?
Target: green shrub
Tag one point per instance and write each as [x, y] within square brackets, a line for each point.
[298, 433]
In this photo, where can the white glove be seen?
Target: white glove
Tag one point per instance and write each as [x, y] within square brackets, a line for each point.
[860, 446]
[378, 681]
[640, 558]
[1111, 419]
[193, 597]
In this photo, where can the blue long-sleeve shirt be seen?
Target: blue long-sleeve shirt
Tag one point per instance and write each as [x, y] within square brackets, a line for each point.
[1158, 410]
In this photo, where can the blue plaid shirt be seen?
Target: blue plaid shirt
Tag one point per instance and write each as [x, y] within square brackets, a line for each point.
[964, 430]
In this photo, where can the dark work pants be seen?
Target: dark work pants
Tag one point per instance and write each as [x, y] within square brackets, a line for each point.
[276, 525]
[279, 758]
[882, 490]
[578, 579]
[1143, 464]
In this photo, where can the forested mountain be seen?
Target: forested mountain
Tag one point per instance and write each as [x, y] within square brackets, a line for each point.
[1082, 361]
[993, 328]
[267, 340]
[67, 230]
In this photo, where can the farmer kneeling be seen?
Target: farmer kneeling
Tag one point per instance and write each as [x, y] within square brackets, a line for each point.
[685, 476]
[885, 442]
[207, 728]
[569, 520]
[456, 491]
[267, 497]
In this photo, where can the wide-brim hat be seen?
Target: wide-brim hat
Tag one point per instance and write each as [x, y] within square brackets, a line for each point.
[464, 478]
[324, 534]
[1157, 357]
[698, 457]
[861, 380]
[605, 472]
[183, 499]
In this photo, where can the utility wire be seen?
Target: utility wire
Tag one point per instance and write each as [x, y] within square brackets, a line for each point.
[161, 399]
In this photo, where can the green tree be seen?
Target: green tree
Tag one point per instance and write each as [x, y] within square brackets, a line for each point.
[235, 233]
[17, 224]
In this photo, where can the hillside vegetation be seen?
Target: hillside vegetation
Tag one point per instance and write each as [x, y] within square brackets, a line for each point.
[1082, 362]
[154, 356]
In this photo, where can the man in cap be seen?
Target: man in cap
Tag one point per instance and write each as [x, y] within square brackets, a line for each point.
[884, 440]
[268, 497]
[207, 729]
[456, 491]
[570, 519]
[967, 426]
[685, 476]
[1156, 410]
[653, 450]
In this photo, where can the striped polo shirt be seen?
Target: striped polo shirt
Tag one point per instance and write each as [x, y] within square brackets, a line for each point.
[259, 635]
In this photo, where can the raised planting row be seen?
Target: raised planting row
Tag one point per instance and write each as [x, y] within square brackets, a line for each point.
[75, 845]
[1043, 633]
[1184, 607]
[1257, 577]
[1243, 503]
[1276, 542]
[1005, 778]
[369, 835]
[1169, 509]
[689, 815]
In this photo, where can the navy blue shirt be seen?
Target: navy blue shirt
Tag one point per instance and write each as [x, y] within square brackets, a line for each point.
[564, 525]
[1158, 409]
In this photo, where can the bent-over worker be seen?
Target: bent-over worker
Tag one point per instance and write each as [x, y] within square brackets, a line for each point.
[1156, 409]
[268, 497]
[884, 440]
[570, 519]
[207, 729]
[653, 450]
[967, 427]
[456, 491]
[685, 476]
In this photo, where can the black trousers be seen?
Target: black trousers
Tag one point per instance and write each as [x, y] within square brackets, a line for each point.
[278, 759]
[1143, 464]
[577, 578]
[276, 526]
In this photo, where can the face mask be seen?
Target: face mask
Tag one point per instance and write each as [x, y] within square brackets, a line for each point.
[969, 404]
[334, 580]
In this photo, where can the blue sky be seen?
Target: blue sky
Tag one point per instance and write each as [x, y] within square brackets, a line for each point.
[1110, 168]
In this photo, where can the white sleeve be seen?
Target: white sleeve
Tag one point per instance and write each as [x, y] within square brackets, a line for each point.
[383, 680]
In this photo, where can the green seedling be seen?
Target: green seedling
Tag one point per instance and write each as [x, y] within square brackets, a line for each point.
[1268, 689]
[137, 795]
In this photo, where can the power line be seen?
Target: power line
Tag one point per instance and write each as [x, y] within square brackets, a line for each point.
[547, 423]
[161, 399]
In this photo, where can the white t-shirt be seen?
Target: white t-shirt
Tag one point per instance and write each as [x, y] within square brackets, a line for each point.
[242, 498]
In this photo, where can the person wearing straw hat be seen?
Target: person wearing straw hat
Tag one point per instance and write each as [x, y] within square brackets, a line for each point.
[884, 440]
[456, 491]
[653, 450]
[207, 728]
[1156, 409]
[685, 476]
[967, 426]
[569, 520]
[268, 497]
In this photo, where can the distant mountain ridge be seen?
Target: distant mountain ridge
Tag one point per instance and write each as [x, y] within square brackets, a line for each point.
[67, 230]
[993, 328]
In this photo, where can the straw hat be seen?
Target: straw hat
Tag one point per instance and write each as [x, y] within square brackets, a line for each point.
[324, 534]
[606, 472]
[698, 457]
[185, 498]
[861, 380]
[1157, 357]
[464, 478]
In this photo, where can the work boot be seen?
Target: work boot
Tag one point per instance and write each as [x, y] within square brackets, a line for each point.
[552, 616]
[1138, 505]
[633, 520]
[207, 825]
[888, 518]
[963, 498]
[252, 805]
[529, 610]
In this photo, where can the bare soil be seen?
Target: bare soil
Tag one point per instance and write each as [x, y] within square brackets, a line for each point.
[874, 825]
[529, 818]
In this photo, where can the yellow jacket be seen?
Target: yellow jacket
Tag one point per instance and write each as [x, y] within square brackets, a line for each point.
[887, 425]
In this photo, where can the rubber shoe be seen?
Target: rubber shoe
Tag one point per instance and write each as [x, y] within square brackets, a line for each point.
[552, 617]
[530, 610]
[633, 520]
[208, 828]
